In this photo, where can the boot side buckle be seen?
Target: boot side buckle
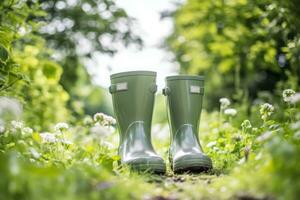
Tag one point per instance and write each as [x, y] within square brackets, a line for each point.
[166, 91]
[118, 87]
[153, 88]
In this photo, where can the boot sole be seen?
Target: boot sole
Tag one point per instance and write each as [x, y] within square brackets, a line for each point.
[148, 168]
[192, 166]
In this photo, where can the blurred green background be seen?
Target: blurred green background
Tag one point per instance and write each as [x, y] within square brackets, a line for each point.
[246, 50]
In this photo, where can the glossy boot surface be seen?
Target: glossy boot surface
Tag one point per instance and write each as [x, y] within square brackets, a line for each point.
[133, 100]
[184, 98]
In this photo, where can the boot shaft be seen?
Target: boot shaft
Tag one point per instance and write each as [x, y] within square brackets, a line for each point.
[184, 98]
[133, 98]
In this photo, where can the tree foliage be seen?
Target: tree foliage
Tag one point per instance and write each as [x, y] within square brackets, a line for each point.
[97, 25]
[239, 45]
[41, 45]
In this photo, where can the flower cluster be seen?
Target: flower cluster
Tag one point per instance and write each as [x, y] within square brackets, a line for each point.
[52, 138]
[295, 98]
[17, 124]
[104, 119]
[288, 94]
[230, 112]
[224, 103]
[266, 110]
[48, 137]
[60, 127]
[2, 129]
[27, 131]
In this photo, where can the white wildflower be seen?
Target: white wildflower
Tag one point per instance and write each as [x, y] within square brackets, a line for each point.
[295, 98]
[64, 141]
[17, 124]
[110, 120]
[100, 130]
[48, 137]
[224, 103]
[211, 144]
[27, 131]
[10, 109]
[2, 129]
[104, 120]
[59, 127]
[99, 117]
[288, 95]
[264, 136]
[87, 121]
[246, 124]
[230, 112]
[266, 110]
[34, 153]
[295, 125]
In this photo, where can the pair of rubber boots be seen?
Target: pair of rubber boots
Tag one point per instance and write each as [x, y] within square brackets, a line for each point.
[133, 100]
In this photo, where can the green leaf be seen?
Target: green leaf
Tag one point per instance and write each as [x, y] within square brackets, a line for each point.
[3, 54]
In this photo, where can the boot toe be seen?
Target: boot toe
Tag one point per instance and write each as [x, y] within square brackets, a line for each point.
[195, 163]
[154, 164]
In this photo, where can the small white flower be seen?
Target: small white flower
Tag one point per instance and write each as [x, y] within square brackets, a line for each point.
[288, 94]
[48, 137]
[34, 153]
[295, 126]
[211, 144]
[27, 131]
[64, 141]
[17, 124]
[295, 98]
[110, 120]
[230, 112]
[98, 117]
[2, 129]
[266, 110]
[264, 136]
[224, 103]
[59, 127]
[100, 130]
[87, 120]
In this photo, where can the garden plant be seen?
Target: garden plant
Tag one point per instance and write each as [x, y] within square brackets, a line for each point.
[59, 138]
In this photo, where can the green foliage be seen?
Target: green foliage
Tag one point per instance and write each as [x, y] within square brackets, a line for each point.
[251, 160]
[241, 46]
[98, 25]
[44, 76]
[14, 19]
[252, 45]
[25, 55]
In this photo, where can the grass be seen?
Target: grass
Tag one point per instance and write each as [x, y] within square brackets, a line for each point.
[255, 160]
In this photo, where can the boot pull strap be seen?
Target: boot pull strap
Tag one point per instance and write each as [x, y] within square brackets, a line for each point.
[195, 89]
[123, 86]
[166, 91]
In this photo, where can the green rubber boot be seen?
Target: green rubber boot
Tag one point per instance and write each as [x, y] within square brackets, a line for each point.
[184, 98]
[133, 99]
